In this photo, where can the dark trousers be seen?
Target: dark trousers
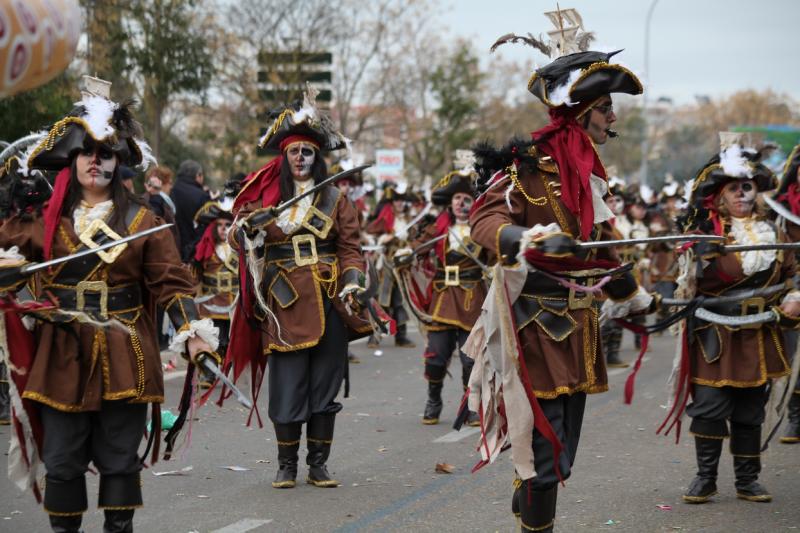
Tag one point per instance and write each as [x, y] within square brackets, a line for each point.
[305, 382]
[713, 407]
[110, 439]
[565, 414]
[441, 345]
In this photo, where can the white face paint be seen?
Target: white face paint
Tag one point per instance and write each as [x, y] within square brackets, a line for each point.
[95, 167]
[739, 197]
[301, 158]
[616, 204]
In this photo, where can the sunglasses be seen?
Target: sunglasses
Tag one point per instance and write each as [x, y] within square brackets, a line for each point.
[604, 109]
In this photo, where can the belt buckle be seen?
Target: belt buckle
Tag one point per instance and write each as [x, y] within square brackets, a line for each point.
[94, 286]
[580, 302]
[98, 225]
[327, 222]
[452, 276]
[224, 281]
[756, 303]
[299, 259]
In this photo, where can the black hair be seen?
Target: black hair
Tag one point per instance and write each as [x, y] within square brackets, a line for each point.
[319, 171]
[121, 197]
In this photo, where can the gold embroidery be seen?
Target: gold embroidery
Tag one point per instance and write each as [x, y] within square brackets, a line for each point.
[41, 398]
[137, 349]
[562, 221]
[512, 173]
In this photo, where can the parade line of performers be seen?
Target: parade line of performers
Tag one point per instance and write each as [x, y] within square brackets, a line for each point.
[528, 260]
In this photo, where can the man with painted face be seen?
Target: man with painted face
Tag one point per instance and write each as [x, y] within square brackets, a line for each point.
[547, 194]
[457, 289]
[299, 309]
[92, 364]
[727, 367]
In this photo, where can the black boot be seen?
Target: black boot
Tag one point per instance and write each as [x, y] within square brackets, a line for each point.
[746, 451]
[792, 434]
[704, 486]
[65, 502]
[118, 521]
[537, 508]
[401, 339]
[517, 483]
[319, 437]
[288, 437]
[5, 399]
[433, 407]
[66, 524]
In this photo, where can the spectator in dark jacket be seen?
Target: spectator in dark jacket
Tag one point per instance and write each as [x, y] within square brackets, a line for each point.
[188, 196]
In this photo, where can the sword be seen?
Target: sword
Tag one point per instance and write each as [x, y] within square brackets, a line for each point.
[32, 268]
[772, 246]
[208, 363]
[736, 321]
[262, 217]
[782, 211]
[650, 240]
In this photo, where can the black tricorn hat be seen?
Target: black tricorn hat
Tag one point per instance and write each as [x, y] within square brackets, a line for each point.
[582, 77]
[211, 211]
[95, 120]
[576, 74]
[303, 119]
[789, 175]
[452, 183]
[736, 161]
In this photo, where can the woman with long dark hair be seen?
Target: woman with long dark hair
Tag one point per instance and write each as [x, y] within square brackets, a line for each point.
[95, 362]
[297, 306]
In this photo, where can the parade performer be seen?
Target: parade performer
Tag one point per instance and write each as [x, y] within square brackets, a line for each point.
[531, 391]
[730, 352]
[390, 226]
[457, 290]
[91, 364]
[216, 268]
[788, 196]
[301, 267]
[611, 331]
[662, 258]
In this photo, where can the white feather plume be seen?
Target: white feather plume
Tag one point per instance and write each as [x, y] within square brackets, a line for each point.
[560, 94]
[98, 114]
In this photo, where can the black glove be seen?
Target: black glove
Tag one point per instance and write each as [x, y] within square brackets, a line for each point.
[556, 244]
[257, 220]
[709, 250]
[11, 277]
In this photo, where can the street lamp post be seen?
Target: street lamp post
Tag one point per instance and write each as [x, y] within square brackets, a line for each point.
[646, 136]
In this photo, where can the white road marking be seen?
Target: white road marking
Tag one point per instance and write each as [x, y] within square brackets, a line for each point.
[247, 524]
[455, 436]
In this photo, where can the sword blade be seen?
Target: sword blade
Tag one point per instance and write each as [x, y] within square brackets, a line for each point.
[781, 210]
[469, 253]
[289, 203]
[214, 369]
[772, 246]
[650, 240]
[35, 267]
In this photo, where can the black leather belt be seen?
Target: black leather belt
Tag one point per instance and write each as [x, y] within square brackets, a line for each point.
[97, 298]
[280, 252]
[464, 274]
[227, 281]
[540, 285]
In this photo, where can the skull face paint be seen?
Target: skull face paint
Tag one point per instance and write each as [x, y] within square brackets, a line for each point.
[616, 204]
[739, 197]
[301, 158]
[95, 167]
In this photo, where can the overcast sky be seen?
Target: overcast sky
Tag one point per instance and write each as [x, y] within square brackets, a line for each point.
[697, 47]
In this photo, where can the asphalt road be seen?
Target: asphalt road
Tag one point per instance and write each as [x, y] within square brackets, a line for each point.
[626, 478]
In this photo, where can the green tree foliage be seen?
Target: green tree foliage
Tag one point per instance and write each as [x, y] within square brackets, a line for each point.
[34, 110]
[167, 48]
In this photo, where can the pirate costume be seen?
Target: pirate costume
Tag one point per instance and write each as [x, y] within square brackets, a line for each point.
[296, 268]
[546, 192]
[91, 363]
[727, 364]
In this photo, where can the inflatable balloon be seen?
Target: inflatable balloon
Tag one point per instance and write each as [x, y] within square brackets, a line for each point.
[37, 41]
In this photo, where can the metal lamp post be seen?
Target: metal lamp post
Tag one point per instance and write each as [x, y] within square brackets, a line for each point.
[646, 136]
